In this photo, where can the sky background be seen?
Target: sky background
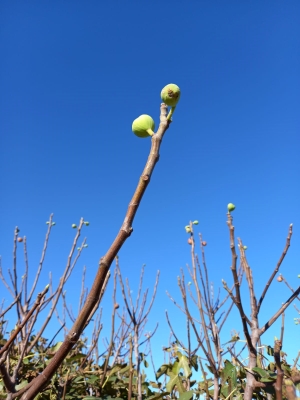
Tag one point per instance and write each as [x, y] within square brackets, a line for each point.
[74, 75]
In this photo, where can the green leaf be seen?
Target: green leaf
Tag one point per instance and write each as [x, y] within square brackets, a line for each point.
[270, 350]
[54, 348]
[229, 371]
[175, 380]
[76, 357]
[194, 362]
[158, 396]
[21, 385]
[156, 385]
[186, 395]
[184, 364]
[267, 376]
[162, 370]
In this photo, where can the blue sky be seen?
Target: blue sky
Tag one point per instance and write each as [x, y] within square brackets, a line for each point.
[74, 75]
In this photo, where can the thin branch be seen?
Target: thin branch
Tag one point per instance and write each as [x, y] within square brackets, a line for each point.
[20, 326]
[285, 250]
[279, 312]
[37, 275]
[126, 229]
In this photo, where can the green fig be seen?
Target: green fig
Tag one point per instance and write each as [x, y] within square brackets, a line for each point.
[196, 222]
[47, 222]
[85, 245]
[143, 126]
[86, 223]
[53, 223]
[170, 95]
[74, 226]
[245, 247]
[230, 207]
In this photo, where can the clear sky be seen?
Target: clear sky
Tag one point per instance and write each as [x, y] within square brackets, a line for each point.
[75, 74]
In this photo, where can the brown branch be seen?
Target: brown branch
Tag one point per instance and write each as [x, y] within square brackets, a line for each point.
[287, 284]
[62, 282]
[287, 245]
[279, 379]
[238, 300]
[20, 326]
[249, 278]
[37, 275]
[111, 344]
[126, 229]
[9, 307]
[279, 312]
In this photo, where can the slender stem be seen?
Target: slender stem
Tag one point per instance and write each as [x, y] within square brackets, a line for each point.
[171, 112]
[42, 379]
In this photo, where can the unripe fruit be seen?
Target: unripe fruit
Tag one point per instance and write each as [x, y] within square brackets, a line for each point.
[280, 279]
[20, 239]
[143, 126]
[196, 222]
[53, 223]
[190, 241]
[86, 223]
[204, 243]
[74, 226]
[230, 207]
[187, 229]
[245, 247]
[170, 94]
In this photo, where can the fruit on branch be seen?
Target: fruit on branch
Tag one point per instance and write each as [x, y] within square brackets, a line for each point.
[143, 126]
[196, 222]
[187, 229]
[245, 247]
[170, 94]
[86, 223]
[204, 243]
[20, 239]
[280, 278]
[190, 241]
[230, 207]
[74, 226]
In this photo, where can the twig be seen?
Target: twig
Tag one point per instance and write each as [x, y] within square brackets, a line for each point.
[285, 250]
